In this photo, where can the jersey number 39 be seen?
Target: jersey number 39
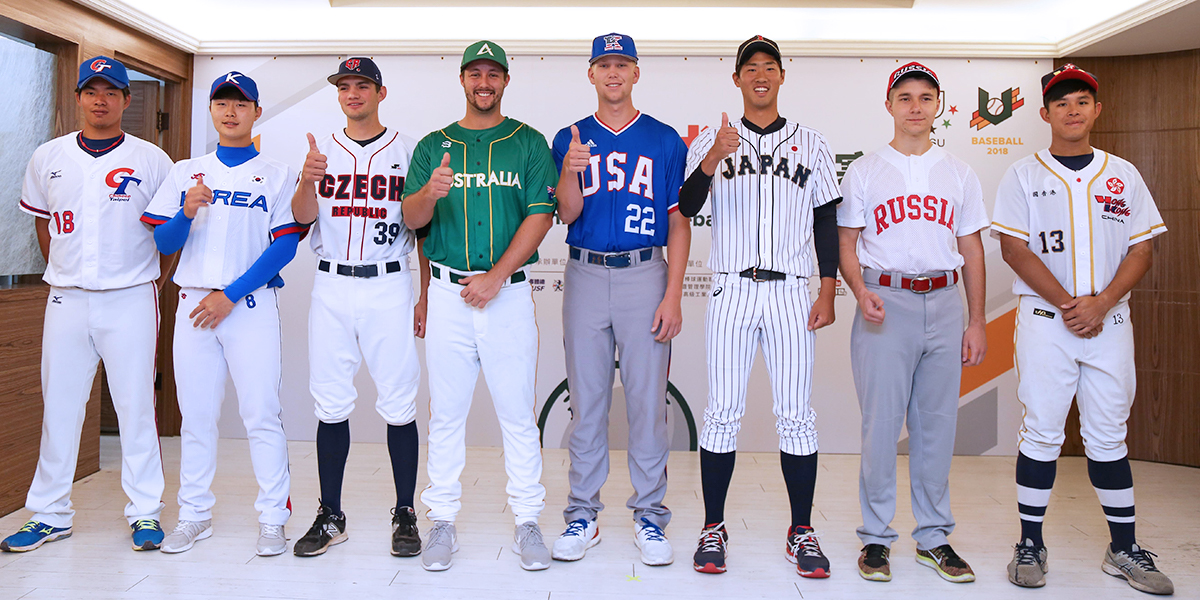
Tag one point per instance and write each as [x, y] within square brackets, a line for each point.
[386, 234]
[640, 219]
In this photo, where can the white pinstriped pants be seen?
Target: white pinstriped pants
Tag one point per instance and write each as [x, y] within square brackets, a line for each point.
[743, 315]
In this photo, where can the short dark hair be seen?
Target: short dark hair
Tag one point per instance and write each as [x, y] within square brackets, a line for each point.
[79, 91]
[1064, 88]
[230, 92]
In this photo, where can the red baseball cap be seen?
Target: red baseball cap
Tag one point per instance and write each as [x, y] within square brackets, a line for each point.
[913, 68]
[1066, 72]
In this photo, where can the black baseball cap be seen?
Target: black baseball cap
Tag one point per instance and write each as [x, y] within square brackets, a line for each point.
[1066, 72]
[358, 66]
[757, 43]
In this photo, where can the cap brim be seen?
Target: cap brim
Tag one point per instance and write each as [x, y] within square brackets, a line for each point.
[758, 46]
[626, 56]
[336, 77]
[231, 84]
[1069, 75]
[119, 84]
[913, 74]
[473, 61]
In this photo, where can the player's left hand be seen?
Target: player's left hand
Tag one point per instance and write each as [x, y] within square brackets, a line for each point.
[974, 345]
[211, 310]
[480, 289]
[420, 315]
[1085, 314]
[668, 320]
[821, 313]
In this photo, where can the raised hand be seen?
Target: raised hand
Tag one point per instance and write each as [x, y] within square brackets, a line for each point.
[442, 178]
[315, 163]
[578, 154]
[197, 196]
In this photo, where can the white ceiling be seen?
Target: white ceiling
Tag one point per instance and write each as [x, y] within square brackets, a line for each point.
[962, 28]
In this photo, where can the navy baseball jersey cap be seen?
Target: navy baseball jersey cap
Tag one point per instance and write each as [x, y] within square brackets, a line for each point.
[235, 79]
[105, 68]
[913, 69]
[613, 44]
[757, 43]
[1065, 72]
[360, 67]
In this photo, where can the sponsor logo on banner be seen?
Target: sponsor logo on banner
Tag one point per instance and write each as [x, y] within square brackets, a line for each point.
[994, 111]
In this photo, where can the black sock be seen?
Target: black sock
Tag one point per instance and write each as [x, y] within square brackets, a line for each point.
[402, 447]
[333, 447]
[716, 470]
[1113, 482]
[800, 475]
[1035, 478]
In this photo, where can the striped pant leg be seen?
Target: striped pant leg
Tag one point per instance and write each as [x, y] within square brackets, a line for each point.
[789, 347]
[732, 333]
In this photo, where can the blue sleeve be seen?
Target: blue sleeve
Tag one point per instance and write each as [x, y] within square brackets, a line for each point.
[273, 260]
[171, 235]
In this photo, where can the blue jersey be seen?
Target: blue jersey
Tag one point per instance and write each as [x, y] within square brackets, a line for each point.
[631, 186]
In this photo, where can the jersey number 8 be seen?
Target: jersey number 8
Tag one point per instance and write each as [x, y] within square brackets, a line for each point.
[644, 214]
[387, 233]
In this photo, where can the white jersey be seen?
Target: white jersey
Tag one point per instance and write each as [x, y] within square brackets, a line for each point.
[252, 206]
[93, 204]
[358, 216]
[912, 209]
[1080, 223]
[763, 196]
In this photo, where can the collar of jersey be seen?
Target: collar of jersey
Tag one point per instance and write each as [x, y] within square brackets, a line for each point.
[232, 157]
[507, 126]
[772, 128]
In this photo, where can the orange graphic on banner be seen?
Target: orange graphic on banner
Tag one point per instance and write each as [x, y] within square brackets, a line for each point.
[999, 358]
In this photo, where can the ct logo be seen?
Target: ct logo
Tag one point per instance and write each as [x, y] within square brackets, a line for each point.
[99, 65]
[352, 64]
[1115, 185]
[120, 179]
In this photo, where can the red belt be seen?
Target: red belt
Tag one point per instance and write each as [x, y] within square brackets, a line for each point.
[920, 285]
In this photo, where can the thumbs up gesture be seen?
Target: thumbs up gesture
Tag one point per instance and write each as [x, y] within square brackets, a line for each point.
[197, 196]
[578, 154]
[442, 178]
[727, 140]
[315, 163]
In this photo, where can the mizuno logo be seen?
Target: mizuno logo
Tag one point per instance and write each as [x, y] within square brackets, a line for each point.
[56, 300]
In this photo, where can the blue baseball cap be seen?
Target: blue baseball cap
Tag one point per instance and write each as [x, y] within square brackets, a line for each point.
[613, 43]
[237, 80]
[105, 68]
[357, 66]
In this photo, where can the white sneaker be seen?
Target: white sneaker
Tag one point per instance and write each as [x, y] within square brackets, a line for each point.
[271, 540]
[527, 542]
[579, 535]
[185, 535]
[650, 539]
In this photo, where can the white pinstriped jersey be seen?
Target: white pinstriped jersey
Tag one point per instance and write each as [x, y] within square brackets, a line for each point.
[1080, 223]
[912, 209]
[763, 196]
[93, 204]
[359, 216]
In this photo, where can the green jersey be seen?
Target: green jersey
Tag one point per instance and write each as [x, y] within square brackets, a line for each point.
[501, 175]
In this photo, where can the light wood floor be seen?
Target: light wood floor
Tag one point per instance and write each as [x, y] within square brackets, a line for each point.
[97, 562]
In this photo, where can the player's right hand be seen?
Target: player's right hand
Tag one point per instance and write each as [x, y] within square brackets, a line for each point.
[198, 195]
[872, 307]
[579, 155]
[442, 178]
[315, 163]
[727, 141]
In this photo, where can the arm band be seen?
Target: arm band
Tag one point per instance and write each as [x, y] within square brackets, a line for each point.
[273, 259]
[694, 192]
[170, 236]
[825, 238]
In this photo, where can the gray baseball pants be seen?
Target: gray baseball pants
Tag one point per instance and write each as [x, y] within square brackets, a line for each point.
[910, 366]
[605, 309]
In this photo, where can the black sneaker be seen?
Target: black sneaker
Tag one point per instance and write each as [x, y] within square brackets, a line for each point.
[406, 539]
[804, 550]
[873, 563]
[710, 550]
[328, 529]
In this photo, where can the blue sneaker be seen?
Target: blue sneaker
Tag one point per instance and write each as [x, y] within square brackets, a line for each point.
[147, 534]
[32, 535]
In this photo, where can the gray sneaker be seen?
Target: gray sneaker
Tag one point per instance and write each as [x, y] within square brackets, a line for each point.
[271, 540]
[185, 535]
[1138, 569]
[527, 541]
[1029, 565]
[440, 546]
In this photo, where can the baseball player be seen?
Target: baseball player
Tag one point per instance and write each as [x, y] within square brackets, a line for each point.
[1075, 224]
[620, 294]
[86, 191]
[485, 187]
[774, 192]
[230, 212]
[362, 301]
[910, 217]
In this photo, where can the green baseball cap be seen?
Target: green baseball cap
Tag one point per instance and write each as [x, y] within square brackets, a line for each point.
[486, 50]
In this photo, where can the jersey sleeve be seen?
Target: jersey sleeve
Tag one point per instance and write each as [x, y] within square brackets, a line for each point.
[539, 188]
[283, 221]
[33, 195]
[852, 210]
[1011, 215]
[1147, 223]
[168, 199]
[701, 144]
[974, 214]
[420, 169]
[825, 177]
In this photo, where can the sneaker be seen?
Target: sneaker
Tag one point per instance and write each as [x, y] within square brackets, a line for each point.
[804, 549]
[1137, 567]
[327, 530]
[406, 538]
[185, 535]
[32, 535]
[272, 540]
[1029, 565]
[579, 535]
[440, 546]
[147, 534]
[948, 564]
[527, 541]
[650, 539]
[710, 549]
[873, 563]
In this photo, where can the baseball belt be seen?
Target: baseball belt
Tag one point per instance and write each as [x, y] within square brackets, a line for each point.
[757, 274]
[616, 260]
[917, 284]
[456, 277]
[360, 271]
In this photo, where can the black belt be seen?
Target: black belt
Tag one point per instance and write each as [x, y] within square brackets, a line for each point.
[758, 274]
[361, 270]
[613, 261]
[517, 277]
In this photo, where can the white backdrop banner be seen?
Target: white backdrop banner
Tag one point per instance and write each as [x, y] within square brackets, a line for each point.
[989, 119]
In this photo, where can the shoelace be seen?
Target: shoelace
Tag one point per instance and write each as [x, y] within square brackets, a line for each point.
[441, 529]
[948, 556]
[189, 528]
[1026, 555]
[807, 543]
[28, 527]
[711, 540]
[652, 532]
[876, 553]
[578, 528]
[1143, 560]
[271, 531]
[141, 524]
[530, 535]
